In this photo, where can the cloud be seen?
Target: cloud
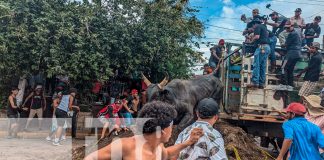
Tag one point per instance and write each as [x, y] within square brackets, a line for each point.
[227, 1]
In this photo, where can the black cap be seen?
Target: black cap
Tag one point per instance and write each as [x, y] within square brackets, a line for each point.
[273, 13]
[298, 10]
[207, 108]
[318, 18]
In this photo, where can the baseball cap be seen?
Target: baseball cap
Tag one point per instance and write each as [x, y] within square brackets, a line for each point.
[38, 87]
[296, 108]
[134, 91]
[207, 107]
[298, 10]
[221, 42]
[273, 13]
[316, 45]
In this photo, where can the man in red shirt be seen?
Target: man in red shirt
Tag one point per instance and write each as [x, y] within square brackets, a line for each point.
[109, 116]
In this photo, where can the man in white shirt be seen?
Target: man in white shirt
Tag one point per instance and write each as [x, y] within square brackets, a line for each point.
[211, 144]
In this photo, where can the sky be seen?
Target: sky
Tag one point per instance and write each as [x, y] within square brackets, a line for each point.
[227, 13]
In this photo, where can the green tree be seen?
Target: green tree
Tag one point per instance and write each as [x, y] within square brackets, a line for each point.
[88, 40]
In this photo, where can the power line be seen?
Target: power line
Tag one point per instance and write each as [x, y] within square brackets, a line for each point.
[226, 39]
[224, 28]
[315, 14]
[297, 2]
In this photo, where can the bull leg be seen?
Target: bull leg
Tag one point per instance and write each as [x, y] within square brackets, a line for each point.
[186, 121]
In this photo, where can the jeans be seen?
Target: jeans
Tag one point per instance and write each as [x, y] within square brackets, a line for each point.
[288, 67]
[214, 64]
[273, 42]
[259, 65]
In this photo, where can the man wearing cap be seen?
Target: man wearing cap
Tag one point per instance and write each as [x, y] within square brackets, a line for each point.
[278, 27]
[313, 71]
[261, 54]
[312, 30]
[302, 138]
[298, 22]
[216, 54]
[293, 46]
[211, 144]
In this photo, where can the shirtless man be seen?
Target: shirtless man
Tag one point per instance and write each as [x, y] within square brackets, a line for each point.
[149, 146]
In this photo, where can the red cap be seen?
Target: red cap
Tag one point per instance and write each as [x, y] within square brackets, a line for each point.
[134, 91]
[296, 108]
[221, 42]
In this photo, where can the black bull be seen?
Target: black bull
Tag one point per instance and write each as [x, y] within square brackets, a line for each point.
[185, 95]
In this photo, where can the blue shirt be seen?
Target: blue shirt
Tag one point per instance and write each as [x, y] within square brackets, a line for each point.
[64, 104]
[306, 138]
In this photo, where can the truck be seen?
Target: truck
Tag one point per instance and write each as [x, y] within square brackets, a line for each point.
[257, 110]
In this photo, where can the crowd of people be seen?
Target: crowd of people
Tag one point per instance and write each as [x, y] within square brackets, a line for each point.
[303, 132]
[63, 105]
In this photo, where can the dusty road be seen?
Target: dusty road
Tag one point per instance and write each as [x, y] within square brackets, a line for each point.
[36, 149]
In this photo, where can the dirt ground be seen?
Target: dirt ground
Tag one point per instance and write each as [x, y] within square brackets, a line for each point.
[238, 144]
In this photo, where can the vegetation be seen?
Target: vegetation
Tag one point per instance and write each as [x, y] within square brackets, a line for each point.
[90, 40]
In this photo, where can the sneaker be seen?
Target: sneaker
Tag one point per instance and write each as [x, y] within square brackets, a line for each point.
[48, 138]
[56, 143]
[63, 138]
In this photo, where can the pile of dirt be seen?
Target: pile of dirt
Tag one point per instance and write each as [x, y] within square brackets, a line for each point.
[236, 141]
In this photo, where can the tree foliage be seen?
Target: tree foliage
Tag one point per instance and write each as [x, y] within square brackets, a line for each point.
[89, 40]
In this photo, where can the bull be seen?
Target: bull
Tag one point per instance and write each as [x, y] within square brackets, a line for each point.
[184, 95]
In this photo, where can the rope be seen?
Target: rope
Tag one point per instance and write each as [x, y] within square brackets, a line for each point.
[266, 154]
[237, 156]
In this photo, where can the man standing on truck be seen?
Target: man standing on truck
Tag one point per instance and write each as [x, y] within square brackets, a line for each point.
[302, 138]
[313, 71]
[216, 54]
[293, 46]
[261, 54]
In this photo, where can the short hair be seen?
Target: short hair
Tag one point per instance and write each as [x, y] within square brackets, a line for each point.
[161, 114]
[14, 88]
[73, 90]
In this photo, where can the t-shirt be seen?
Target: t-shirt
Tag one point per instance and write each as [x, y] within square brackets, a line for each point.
[293, 41]
[261, 30]
[306, 138]
[312, 29]
[219, 53]
[209, 146]
[64, 104]
[10, 110]
[281, 21]
[36, 102]
[314, 68]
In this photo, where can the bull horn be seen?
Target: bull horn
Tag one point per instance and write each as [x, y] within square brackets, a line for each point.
[146, 81]
[164, 81]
